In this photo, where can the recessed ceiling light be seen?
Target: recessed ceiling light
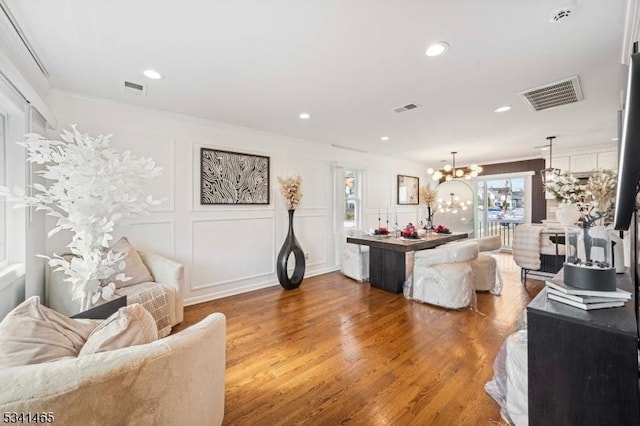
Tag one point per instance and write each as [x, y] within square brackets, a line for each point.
[304, 116]
[614, 139]
[437, 49]
[503, 108]
[384, 138]
[152, 74]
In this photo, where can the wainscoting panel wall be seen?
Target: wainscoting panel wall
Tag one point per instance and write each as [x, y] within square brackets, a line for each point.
[160, 148]
[154, 234]
[230, 249]
[227, 251]
[311, 232]
[316, 182]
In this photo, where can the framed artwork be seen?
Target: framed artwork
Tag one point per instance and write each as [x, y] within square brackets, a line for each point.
[233, 178]
[408, 190]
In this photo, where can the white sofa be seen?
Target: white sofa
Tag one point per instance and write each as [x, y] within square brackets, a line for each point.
[171, 381]
[166, 273]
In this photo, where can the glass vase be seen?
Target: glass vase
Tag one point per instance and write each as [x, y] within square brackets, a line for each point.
[588, 263]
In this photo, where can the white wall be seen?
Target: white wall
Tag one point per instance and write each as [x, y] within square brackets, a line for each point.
[231, 249]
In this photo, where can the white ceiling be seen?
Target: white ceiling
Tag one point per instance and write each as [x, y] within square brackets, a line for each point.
[260, 63]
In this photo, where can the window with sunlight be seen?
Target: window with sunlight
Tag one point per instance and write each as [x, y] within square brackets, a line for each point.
[351, 199]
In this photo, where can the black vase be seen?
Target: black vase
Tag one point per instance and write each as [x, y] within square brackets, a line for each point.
[290, 245]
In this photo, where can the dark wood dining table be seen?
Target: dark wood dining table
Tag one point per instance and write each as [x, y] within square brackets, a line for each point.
[388, 260]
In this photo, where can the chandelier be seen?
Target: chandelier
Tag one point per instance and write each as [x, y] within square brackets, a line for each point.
[453, 205]
[449, 171]
[549, 174]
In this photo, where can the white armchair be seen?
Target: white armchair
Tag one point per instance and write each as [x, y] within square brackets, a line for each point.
[487, 276]
[443, 276]
[168, 282]
[355, 258]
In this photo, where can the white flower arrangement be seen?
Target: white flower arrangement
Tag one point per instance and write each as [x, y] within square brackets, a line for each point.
[594, 199]
[92, 188]
[601, 189]
[565, 188]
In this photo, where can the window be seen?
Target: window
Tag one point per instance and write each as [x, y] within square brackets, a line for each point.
[351, 198]
[503, 202]
[3, 204]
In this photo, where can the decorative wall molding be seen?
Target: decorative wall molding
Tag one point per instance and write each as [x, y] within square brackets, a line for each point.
[149, 221]
[241, 260]
[120, 133]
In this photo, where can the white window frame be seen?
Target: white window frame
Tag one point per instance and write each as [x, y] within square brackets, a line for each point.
[4, 205]
[357, 199]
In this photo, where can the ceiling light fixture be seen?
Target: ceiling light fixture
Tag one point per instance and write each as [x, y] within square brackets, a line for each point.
[614, 139]
[549, 174]
[503, 108]
[304, 116]
[152, 74]
[437, 49]
[449, 171]
[384, 138]
[453, 205]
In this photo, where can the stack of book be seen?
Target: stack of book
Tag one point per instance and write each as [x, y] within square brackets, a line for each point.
[586, 299]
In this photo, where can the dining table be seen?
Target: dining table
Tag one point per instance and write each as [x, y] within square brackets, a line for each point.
[389, 265]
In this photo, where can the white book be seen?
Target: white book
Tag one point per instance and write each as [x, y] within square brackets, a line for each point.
[581, 299]
[586, 306]
[562, 287]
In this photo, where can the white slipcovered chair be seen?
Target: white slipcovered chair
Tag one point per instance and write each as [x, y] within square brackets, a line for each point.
[509, 386]
[487, 276]
[538, 250]
[355, 257]
[443, 276]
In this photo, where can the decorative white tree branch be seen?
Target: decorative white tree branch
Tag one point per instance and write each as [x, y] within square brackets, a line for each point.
[92, 188]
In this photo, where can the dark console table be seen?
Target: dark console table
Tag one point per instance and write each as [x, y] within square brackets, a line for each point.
[387, 256]
[104, 310]
[583, 365]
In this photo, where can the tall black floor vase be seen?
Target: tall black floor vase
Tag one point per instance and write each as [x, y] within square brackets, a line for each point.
[290, 245]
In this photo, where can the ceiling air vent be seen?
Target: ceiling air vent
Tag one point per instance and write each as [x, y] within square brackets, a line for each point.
[551, 95]
[407, 107]
[135, 88]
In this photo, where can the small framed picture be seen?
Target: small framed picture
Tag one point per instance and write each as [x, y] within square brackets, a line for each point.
[408, 190]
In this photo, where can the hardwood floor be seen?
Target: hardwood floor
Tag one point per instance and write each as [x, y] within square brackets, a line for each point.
[336, 351]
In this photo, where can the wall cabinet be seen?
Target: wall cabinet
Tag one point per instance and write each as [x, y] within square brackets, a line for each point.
[588, 162]
[608, 160]
[584, 162]
[562, 163]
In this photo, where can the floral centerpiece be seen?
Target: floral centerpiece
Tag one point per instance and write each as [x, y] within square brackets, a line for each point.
[91, 188]
[290, 188]
[428, 198]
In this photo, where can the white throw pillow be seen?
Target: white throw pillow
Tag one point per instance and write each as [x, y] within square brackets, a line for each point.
[131, 325]
[32, 333]
[135, 267]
